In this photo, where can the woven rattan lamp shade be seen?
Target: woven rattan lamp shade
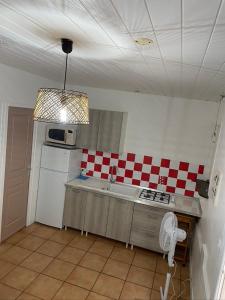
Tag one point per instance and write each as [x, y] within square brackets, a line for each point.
[61, 106]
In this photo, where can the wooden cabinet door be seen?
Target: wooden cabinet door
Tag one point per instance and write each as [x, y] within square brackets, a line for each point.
[74, 208]
[96, 213]
[110, 128]
[146, 226]
[119, 219]
[87, 135]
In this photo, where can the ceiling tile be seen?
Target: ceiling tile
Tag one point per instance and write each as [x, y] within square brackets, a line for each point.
[195, 41]
[133, 14]
[165, 14]
[200, 12]
[170, 44]
[215, 56]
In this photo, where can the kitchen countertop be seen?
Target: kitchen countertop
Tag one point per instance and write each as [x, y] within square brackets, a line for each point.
[182, 204]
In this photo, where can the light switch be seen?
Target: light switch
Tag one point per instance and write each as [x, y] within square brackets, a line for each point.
[214, 186]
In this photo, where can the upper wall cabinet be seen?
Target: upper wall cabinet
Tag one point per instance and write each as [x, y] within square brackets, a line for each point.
[87, 135]
[106, 131]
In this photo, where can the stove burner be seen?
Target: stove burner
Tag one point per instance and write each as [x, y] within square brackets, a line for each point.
[156, 196]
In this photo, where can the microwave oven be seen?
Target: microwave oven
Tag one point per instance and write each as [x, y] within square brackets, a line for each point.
[65, 135]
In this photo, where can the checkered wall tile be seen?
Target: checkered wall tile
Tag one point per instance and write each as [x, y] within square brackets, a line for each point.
[144, 170]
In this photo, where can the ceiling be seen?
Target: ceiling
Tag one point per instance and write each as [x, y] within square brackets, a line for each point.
[186, 59]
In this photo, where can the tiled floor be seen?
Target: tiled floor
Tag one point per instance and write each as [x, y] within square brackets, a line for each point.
[41, 262]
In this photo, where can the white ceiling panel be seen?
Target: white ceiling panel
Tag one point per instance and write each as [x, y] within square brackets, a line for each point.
[200, 12]
[195, 42]
[133, 14]
[215, 57]
[165, 14]
[170, 44]
[186, 59]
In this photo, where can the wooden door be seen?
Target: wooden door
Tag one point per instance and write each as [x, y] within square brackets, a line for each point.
[96, 213]
[87, 135]
[119, 219]
[17, 170]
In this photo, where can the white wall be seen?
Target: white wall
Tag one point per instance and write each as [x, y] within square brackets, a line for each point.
[176, 128]
[19, 88]
[211, 233]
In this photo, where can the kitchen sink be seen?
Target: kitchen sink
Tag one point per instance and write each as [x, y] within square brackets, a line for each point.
[121, 189]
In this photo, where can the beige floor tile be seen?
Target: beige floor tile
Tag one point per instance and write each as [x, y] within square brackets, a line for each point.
[71, 292]
[185, 289]
[50, 248]
[82, 242]
[15, 238]
[19, 278]
[116, 268]
[145, 261]
[31, 228]
[93, 261]
[94, 296]
[185, 272]
[123, 255]
[15, 254]
[162, 267]
[101, 248]
[141, 276]
[108, 286]
[5, 267]
[106, 241]
[44, 232]
[64, 236]
[8, 293]
[44, 287]
[4, 247]
[59, 269]
[31, 242]
[155, 295]
[26, 296]
[133, 291]
[83, 277]
[37, 262]
[159, 280]
[71, 255]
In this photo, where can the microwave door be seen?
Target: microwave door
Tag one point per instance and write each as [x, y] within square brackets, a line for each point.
[56, 135]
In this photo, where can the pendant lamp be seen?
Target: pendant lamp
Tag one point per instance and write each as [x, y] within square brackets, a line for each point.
[61, 105]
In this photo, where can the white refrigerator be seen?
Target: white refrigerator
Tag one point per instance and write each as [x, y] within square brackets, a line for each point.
[58, 166]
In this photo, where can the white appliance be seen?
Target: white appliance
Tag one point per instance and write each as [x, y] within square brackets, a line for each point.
[58, 166]
[61, 134]
[169, 235]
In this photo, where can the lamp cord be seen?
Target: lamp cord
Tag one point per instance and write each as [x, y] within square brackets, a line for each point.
[64, 86]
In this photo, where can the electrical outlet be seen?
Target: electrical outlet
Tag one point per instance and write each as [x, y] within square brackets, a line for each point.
[214, 187]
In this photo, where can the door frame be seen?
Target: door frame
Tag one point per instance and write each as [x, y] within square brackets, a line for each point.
[3, 143]
[33, 181]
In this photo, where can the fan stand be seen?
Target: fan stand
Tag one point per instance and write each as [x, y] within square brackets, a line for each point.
[164, 293]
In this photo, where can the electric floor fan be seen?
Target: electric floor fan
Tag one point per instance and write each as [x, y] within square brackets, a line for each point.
[169, 235]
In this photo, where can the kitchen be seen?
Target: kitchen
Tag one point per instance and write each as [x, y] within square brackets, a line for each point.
[144, 144]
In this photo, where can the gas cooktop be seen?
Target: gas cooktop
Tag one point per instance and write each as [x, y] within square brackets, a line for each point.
[156, 196]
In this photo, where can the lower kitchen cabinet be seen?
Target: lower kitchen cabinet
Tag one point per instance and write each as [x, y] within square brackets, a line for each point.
[146, 226]
[74, 208]
[96, 213]
[119, 219]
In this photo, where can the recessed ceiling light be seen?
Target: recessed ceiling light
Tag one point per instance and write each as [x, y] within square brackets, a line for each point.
[144, 41]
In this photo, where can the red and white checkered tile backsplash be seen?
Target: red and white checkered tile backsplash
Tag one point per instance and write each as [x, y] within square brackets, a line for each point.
[143, 170]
